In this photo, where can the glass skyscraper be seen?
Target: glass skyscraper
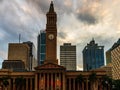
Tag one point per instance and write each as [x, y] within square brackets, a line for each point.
[41, 47]
[93, 56]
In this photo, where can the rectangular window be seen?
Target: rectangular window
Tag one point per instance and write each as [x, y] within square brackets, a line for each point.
[43, 38]
[42, 57]
[42, 49]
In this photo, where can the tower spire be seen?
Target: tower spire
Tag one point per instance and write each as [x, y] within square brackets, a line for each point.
[51, 36]
[51, 9]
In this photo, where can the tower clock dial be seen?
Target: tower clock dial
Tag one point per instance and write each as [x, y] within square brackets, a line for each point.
[51, 36]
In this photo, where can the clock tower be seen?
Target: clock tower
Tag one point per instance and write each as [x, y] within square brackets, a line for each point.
[51, 36]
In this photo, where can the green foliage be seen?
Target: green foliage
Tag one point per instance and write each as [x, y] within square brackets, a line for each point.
[19, 81]
[106, 80]
[116, 85]
[92, 77]
[80, 78]
[4, 81]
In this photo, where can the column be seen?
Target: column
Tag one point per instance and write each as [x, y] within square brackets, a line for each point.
[36, 82]
[48, 81]
[14, 84]
[59, 81]
[30, 83]
[100, 84]
[96, 86]
[26, 83]
[86, 83]
[43, 81]
[64, 81]
[78, 88]
[82, 85]
[73, 83]
[69, 83]
[0, 86]
[55, 81]
[39, 82]
[9, 86]
[51, 81]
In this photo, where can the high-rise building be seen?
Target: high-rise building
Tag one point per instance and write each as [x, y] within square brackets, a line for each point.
[108, 57]
[25, 52]
[93, 56]
[41, 45]
[19, 51]
[115, 55]
[32, 55]
[68, 56]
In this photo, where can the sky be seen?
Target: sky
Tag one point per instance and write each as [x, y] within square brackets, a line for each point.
[78, 21]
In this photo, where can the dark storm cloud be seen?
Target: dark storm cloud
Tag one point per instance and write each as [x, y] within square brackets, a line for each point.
[105, 41]
[43, 5]
[87, 18]
[40, 5]
[16, 19]
[62, 35]
[27, 17]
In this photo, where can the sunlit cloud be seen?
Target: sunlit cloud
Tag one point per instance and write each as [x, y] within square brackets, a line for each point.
[78, 22]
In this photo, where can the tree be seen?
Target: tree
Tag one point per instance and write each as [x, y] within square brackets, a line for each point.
[92, 78]
[116, 85]
[19, 82]
[4, 81]
[107, 82]
[80, 80]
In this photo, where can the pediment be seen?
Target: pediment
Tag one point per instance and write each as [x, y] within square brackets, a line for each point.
[49, 66]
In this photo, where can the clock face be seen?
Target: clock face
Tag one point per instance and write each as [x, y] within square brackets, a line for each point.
[51, 36]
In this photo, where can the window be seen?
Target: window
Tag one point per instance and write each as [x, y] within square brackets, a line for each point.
[42, 49]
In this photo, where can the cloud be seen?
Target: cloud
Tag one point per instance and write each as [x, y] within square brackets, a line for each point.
[40, 5]
[62, 35]
[87, 18]
[88, 11]
[78, 22]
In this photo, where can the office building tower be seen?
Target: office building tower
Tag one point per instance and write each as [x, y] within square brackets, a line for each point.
[93, 56]
[41, 45]
[32, 55]
[68, 56]
[108, 57]
[115, 55]
[19, 51]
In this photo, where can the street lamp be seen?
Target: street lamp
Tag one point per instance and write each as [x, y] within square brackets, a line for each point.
[113, 87]
[106, 82]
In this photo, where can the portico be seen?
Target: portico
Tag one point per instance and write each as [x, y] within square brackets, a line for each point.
[50, 77]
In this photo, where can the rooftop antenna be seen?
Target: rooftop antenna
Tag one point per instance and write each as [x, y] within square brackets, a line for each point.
[19, 37]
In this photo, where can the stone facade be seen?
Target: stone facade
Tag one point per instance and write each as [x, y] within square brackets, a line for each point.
[19, 51]
[51, 77]
[14, 65]
[115, 54]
